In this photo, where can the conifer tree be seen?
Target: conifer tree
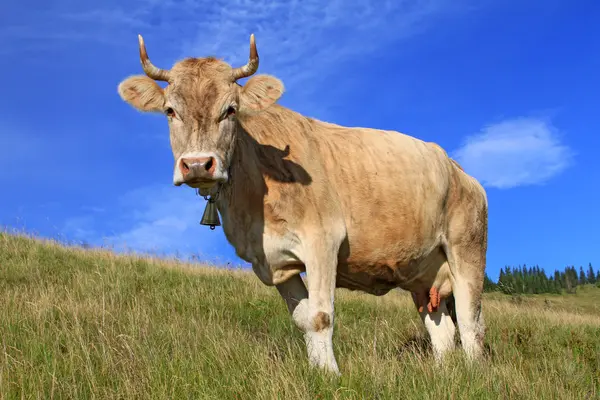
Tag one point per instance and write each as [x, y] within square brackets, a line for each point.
[488, 284]
[582, 280]
[591, 277]
[534, 280]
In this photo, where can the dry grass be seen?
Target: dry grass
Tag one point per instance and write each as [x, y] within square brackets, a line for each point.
[90, 324]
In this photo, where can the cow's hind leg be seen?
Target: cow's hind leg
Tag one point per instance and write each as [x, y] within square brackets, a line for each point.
[467, 264]
[438, 322]
[466, 248]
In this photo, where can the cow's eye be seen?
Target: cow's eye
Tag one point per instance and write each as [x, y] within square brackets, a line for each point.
[169, 112]
[227, 113]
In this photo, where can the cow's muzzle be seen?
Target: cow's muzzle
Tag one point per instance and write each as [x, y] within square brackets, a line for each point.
[198, 172]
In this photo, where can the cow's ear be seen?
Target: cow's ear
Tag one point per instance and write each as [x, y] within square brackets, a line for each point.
[259, 93]
[142, 93]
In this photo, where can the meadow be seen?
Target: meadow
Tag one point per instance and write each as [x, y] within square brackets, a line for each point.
[89, 324]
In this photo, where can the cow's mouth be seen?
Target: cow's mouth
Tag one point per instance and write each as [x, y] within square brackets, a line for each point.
[198, 183]
[201, 183]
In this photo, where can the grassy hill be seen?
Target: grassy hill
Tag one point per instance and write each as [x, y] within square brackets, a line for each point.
[90, 324]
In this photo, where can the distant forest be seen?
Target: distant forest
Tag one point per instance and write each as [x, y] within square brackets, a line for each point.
[533, 280]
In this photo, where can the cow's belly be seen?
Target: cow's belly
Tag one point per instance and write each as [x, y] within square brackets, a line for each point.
[378, 275]
[376, 261]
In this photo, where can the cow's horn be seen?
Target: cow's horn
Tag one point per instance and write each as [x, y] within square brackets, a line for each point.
[251, 66]
[149, 68]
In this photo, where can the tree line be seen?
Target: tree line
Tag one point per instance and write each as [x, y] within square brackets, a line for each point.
[533, 280]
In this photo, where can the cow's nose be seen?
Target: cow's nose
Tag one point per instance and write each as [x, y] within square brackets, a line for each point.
[200, 168]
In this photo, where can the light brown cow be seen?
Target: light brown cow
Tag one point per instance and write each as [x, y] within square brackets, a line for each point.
[356, 208]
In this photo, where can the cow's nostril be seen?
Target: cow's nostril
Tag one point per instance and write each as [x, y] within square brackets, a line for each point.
[186, 168]
[209, 164]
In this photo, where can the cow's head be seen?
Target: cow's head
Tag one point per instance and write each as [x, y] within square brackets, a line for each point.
[202, 103]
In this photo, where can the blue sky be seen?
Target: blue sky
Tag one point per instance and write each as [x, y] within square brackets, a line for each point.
[509, 88]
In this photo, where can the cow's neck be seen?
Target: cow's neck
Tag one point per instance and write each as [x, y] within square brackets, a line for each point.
[259, 156]
[246, 171]
[240, 199]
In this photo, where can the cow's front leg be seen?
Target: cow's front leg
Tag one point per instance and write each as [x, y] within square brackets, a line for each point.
[312, 312]
[295, 295]
[318, 341]
[321, 268]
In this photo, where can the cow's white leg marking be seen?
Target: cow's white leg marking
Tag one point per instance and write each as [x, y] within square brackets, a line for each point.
[321, 268]
[318, 341]
[470, 319]
[467, 287]
[441, 329]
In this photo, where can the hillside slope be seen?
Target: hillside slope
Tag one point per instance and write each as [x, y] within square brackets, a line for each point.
[89, 324]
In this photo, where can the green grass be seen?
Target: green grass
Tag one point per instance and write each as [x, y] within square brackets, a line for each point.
[89, 324]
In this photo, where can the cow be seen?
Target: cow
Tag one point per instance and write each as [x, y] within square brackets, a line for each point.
[357, 208]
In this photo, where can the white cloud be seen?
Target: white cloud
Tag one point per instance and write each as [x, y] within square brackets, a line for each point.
[296, 39]
[515, 152]
[157, 219]
[302, 40]
[80, 228]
